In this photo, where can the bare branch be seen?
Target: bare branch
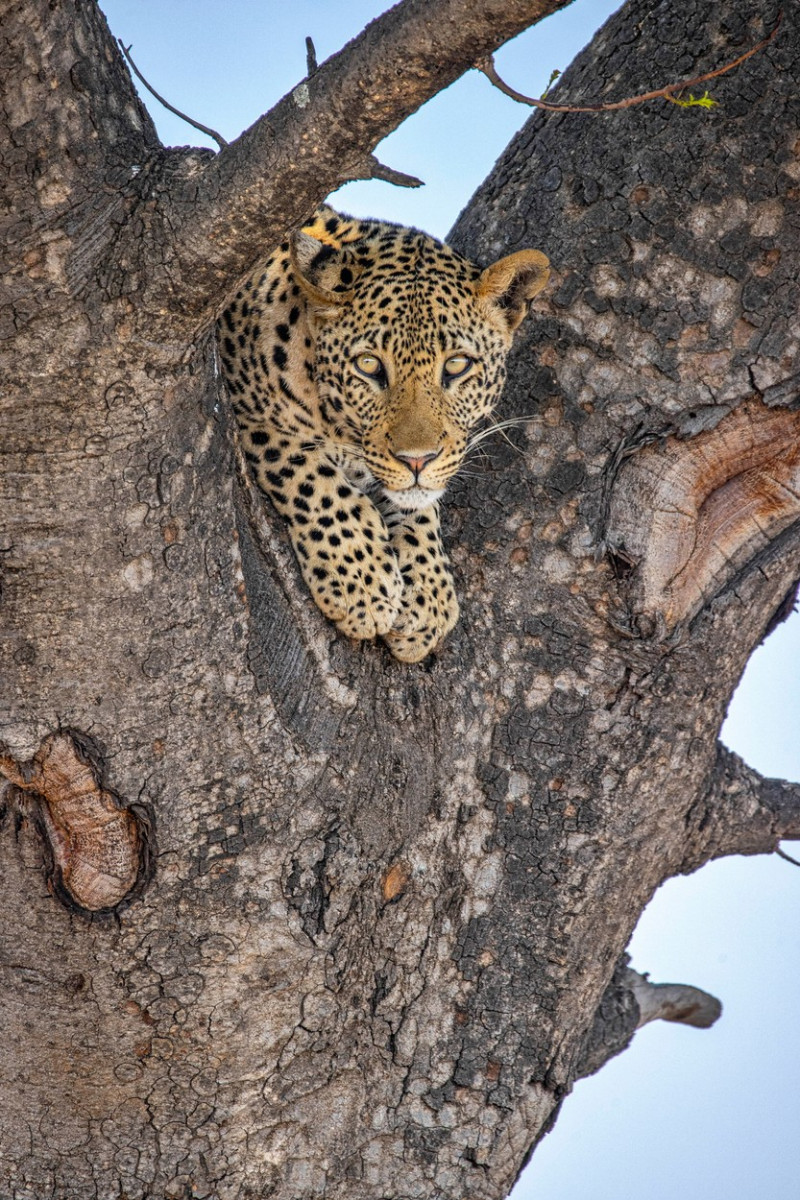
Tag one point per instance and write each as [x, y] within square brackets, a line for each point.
[741, 813]
[212, 133]
[312, 66]
[631, 1001]
[679, 1002]
[487, 67]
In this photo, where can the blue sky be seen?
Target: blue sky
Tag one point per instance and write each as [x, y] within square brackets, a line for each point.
[683, 1113]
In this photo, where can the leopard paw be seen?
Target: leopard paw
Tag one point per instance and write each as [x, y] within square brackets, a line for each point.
[360, 593]
[428, 612]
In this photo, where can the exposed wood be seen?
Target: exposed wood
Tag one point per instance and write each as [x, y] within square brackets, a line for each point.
[688, 514]
[99, 848]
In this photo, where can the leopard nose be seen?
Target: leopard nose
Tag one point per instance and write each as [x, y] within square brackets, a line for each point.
[416, 461]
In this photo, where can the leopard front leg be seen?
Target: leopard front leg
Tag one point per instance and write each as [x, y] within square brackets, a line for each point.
[339, 537]
[429, 608]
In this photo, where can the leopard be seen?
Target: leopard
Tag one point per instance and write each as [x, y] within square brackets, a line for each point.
[359, 359]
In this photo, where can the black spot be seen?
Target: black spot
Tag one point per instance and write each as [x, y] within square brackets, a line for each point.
[279, 357]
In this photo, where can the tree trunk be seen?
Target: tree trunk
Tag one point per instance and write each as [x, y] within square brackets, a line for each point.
[320, 923]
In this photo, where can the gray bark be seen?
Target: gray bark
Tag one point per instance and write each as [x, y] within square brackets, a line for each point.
[385, 925]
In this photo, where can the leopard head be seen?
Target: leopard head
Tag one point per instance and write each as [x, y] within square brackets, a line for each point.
[410, 346]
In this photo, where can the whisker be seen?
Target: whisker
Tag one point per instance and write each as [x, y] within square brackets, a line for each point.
[497, 427]
[508, 440]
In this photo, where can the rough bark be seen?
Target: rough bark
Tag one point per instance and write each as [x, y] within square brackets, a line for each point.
[384, 930]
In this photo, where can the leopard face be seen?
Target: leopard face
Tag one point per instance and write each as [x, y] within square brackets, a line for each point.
[410, 358]
[358, 362]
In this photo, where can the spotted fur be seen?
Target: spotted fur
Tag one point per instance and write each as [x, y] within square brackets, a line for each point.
[357, 361]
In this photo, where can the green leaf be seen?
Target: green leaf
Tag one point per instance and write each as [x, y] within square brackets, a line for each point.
[553, 77]
[704, 101]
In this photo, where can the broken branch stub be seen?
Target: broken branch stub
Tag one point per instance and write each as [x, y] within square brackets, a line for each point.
[690, 514]
[677, 1002]
[100, 849]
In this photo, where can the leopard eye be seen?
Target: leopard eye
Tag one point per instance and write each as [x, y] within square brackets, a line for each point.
[369, 365]
[456, 366]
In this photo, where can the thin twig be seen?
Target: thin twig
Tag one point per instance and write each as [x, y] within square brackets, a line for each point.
[311, 58]
[486, 65]
[788, 857]
[212, 133]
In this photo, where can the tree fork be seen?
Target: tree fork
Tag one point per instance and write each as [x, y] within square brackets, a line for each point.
[389, 902]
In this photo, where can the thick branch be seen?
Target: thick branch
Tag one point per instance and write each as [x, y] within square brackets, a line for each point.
[59, 71]
[741, 813]
[321, 134]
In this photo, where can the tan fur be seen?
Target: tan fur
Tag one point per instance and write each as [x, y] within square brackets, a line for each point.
[356, 459]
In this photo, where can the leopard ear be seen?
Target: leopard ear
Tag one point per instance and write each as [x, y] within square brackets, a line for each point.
[321, 270]
[324, 258]
[511, 283]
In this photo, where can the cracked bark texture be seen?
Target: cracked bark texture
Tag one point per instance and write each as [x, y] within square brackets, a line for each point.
[386, 925]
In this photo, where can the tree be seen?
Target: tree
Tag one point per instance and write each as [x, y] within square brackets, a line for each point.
[375, 915]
